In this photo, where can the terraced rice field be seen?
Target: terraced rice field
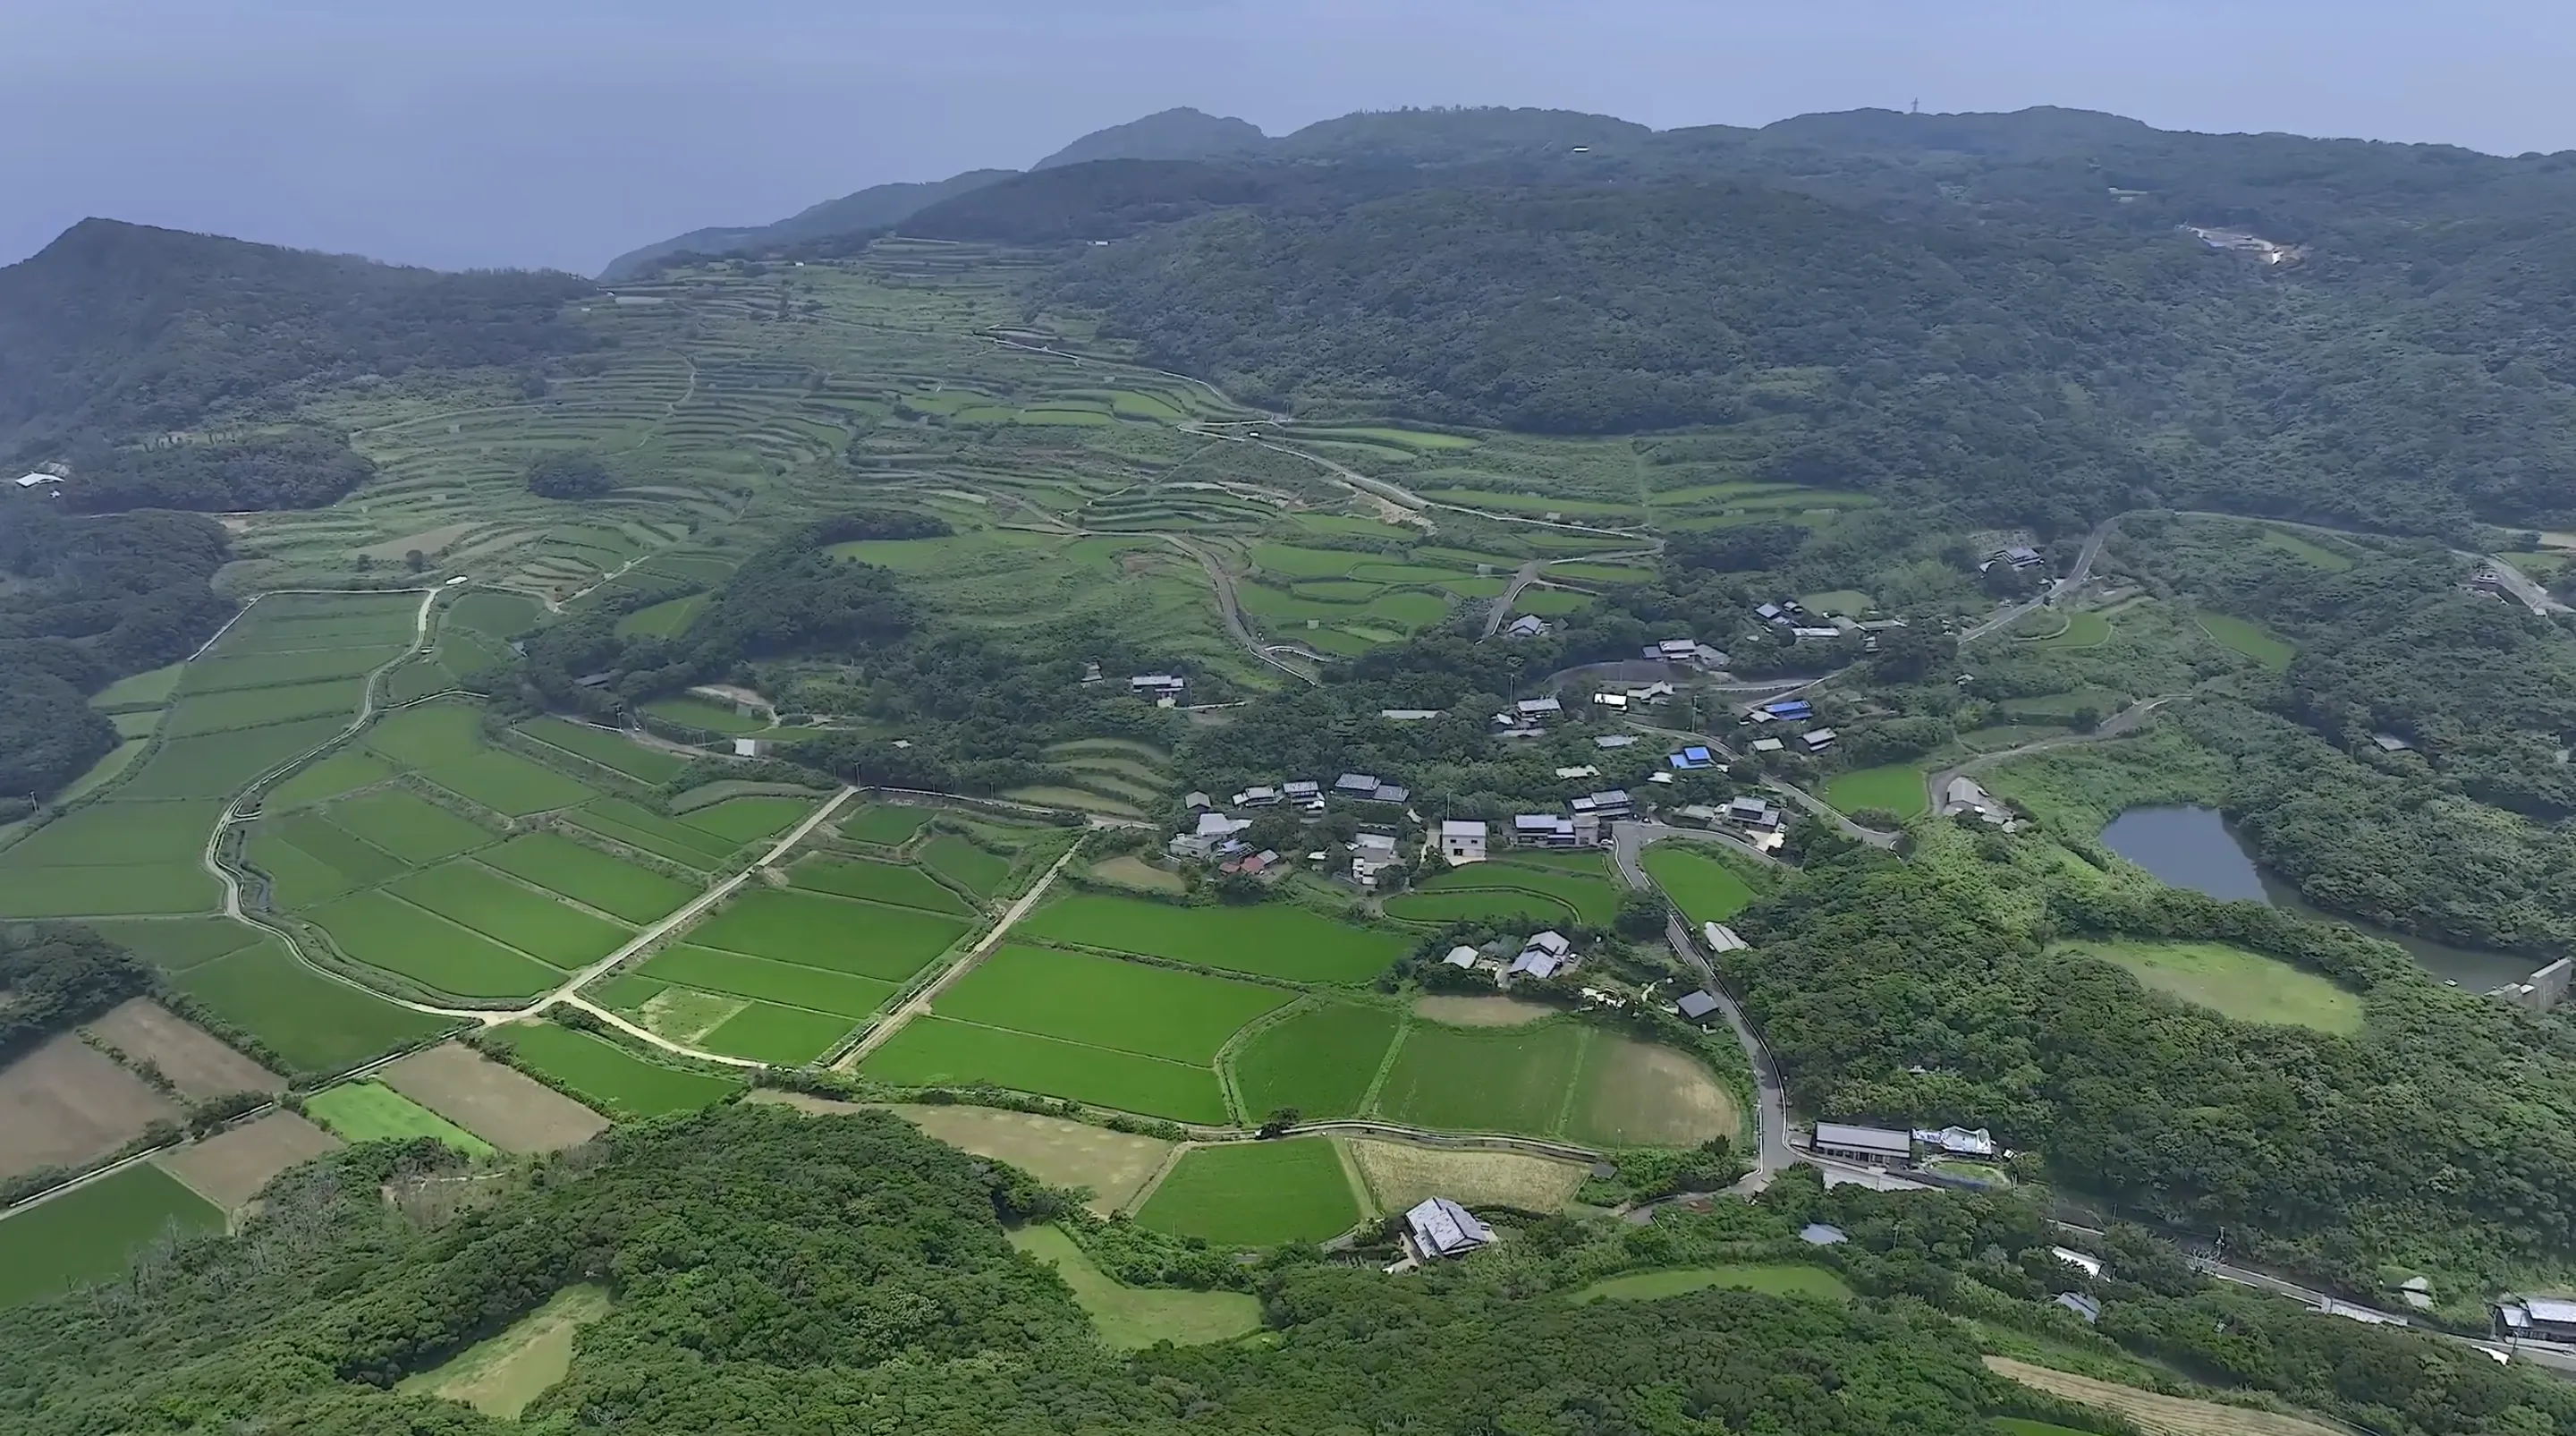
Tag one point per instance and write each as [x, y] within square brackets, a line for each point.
[1504, 890]
[884, 825]
[613, 751]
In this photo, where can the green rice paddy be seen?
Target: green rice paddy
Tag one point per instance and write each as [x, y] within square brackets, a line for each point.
[935, 1052]
[2249, 639]
[879, 882]
[1319, 1061]
[842, 934]
[1485, 1079]
[766, 979]
[1253, 1194]
[884, 825]
[313, 1023]
[90, 1235]
[1898, 788]
[383, 931]
[588, 876]
[1107, 1002]
[371, 1111]
[1502, 888]
[607, 1076]
[765, 1032]
[609, 750]
[533, 922]
[1705, 888]
[1265, 940]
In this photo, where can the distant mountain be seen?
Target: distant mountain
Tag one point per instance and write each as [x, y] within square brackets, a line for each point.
[1182, 134]
[117, 329]
[1461, 136]
[871, 208]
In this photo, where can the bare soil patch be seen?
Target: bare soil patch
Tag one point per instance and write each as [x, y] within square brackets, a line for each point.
[196, 1062]
[1401, 1175]
[1455, 1011]
[67, 1104]
[2157, 1415]
[1114, 1165]
[501, 1105]
[229, 1168]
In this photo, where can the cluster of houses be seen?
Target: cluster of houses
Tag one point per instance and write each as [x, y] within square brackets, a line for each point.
[1540, 956]
[1688, 651]
[1793, 618]
[1215, 835]
[1791, 713]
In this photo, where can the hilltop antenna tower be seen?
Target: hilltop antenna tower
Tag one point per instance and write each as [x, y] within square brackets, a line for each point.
[1914, 107]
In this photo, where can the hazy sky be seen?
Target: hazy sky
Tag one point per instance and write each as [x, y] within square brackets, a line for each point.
[561, 132]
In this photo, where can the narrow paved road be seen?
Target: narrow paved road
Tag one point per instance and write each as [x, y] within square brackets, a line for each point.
[1822, 809]
[1232, 611]
[919, 1006]
[2074, 579]
[1511, 594]
[2118, 725]
[1773, 1152]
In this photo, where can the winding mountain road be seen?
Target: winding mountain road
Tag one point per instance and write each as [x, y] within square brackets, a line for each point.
[1774, 1152]
[2074, 579]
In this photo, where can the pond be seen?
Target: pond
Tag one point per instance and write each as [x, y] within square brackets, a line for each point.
[2193, 847]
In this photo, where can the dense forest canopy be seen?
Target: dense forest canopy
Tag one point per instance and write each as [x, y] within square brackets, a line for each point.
[777, 1273]
[294, 468]
[120, 330]
[91, 600]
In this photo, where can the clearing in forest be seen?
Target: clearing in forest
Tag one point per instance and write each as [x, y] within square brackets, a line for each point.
[1774, 1278]
[2242, 984]
[2155, 1414]
[501, 1375]
[1131, 1318]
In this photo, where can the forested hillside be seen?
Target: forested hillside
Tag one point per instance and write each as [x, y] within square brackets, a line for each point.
[119, 329]
[775, 1273]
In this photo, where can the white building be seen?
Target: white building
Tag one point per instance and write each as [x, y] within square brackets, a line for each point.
[1440, 1227]
[1372, 853]
[1462, 841]
[1212, 832]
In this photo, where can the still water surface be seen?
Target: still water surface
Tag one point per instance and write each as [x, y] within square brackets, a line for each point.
[2193, 847]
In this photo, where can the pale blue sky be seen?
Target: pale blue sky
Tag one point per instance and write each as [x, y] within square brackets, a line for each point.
[561, 132]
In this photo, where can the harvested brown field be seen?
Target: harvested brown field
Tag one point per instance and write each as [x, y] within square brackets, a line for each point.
[1401, 1174]
[2157, 1415]
[501, 1105]
[1642, 1094]
[1114, 1165]
[229, 1168]
[1454, 1011]
[198, 1064]
[66, 1104]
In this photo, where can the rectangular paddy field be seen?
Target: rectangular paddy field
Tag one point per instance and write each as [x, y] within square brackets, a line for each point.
[371, 1111]
[1705, 888]
[1248, 1194]
[496, 1102]
[66, 1104]
[429, 735]
[613, 751]
[1898, 788]
[90, 1235]
[879, 882]
[197, 1064]
[762, 979]
[743, 821]
[1104, 1002]
[1319, 1061]
[230, 1168]
[383, 931]
[113, 859]
[935, 1052]
[627, 825]
[314, 1023]
[1505, 889]
[1267, 940]
[609, 1077]
[966, 865]
[588, 876]
[343, 772]
[408, 826]
[219, 765]
[781, 1036]
[1555, 1078]
[844, 935]
[174, 945]
[526, 919]
[509, 784]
